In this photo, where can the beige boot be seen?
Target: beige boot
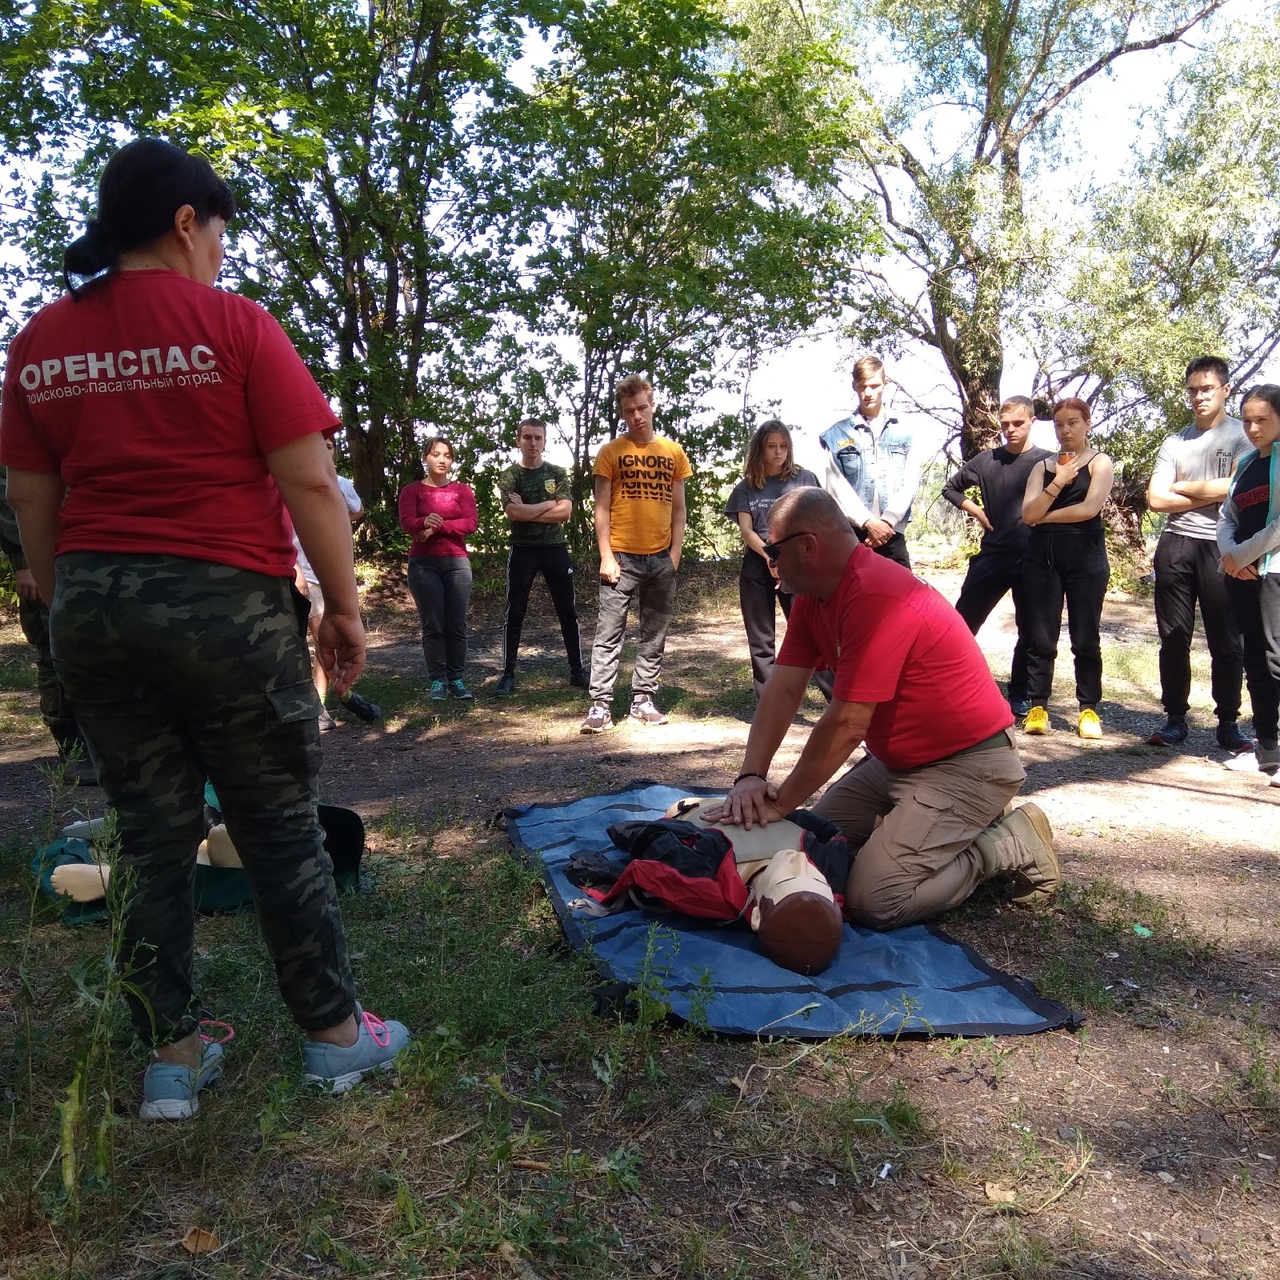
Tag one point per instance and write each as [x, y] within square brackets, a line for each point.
[1021, 844]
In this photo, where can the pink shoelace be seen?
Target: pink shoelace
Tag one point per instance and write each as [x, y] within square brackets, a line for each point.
[226, 1027]
[377, 1029]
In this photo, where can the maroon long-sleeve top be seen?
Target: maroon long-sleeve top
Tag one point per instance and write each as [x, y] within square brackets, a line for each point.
[454, 503]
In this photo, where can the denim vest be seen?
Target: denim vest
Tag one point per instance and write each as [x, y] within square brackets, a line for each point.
[874, 471]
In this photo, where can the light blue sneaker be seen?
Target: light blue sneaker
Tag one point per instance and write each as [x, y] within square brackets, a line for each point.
[337, 1069]
[172, 1092]
[438, 691]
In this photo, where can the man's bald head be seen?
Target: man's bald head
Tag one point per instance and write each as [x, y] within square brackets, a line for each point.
[814, 542]
[810, 509]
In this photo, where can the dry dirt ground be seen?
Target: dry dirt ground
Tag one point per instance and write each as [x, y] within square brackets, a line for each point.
[1146, 1144]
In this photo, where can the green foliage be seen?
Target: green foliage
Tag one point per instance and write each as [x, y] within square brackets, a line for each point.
[680, 221]
[952, 108]
[447, 250]
[1182, 258]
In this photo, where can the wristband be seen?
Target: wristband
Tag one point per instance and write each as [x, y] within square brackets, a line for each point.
[750, 774]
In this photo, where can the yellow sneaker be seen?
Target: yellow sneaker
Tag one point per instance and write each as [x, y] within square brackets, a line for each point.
[1037, 721]
[1090, 726]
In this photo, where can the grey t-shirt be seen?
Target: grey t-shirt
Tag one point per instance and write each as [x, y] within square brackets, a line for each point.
[1192, 454]
[760, 501]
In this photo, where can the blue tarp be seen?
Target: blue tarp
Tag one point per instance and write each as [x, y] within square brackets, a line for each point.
[916, 980]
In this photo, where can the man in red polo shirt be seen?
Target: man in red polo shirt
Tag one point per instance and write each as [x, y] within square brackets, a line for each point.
[924, 806]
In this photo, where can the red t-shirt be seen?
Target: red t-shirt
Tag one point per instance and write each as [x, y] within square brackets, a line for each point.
[454, 503]
[894, 641]
[156, 399]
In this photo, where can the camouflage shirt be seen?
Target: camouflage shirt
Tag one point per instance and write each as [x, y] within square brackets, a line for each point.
[539, 484]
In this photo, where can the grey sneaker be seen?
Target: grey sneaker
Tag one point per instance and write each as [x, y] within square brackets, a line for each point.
[599, 718]
[459, 690]
[643, 711]
[327, 723]
[506, 684]
[339, 1069]
[438, 691]
[1260, 760]
[172, 1092]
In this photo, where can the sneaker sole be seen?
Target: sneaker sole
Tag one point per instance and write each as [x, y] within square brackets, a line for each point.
[338, 1085]
[176, 1108]
[646, 722]
[168, 1109]
[591, 729]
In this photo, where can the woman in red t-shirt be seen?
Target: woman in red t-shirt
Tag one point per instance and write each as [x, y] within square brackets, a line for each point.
[156, 429]
[438, 513]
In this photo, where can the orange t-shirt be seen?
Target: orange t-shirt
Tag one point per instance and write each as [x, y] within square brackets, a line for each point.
[642, 477]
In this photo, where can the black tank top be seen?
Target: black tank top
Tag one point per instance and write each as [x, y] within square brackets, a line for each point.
[1072, 496]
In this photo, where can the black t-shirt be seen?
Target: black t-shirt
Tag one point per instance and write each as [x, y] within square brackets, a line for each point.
[1001, 478]
[1252, 494]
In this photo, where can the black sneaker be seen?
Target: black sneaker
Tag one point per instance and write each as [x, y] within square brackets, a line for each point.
[1231, 740]
[1170, 734]
[580, 679]
[327, 723]
[506, 685]
[1020, 707]
[361, 707]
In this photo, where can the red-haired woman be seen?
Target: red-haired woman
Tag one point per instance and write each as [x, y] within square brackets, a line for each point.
[1067, 560]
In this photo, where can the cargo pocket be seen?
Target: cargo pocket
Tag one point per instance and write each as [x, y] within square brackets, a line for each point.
[291, 741]
[926, 831]
[294, 702]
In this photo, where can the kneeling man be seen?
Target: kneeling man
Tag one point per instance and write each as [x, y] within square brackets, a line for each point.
[923, 810]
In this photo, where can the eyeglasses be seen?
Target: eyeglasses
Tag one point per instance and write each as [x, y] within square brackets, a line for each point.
[770, 549]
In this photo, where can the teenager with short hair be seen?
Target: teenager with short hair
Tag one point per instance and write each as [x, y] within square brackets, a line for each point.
[1000, 475]
[1189, 481]
[640, 522]
[535, 498]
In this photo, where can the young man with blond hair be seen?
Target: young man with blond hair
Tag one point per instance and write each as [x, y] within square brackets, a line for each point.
[639, 522]
[873, 451]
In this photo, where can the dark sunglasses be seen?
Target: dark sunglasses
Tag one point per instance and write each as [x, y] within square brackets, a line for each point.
[770, 549]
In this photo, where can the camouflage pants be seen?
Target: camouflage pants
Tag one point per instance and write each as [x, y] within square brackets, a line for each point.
[180, 669]
[55, 707]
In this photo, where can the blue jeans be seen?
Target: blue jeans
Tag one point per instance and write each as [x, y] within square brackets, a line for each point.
[441, 588]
